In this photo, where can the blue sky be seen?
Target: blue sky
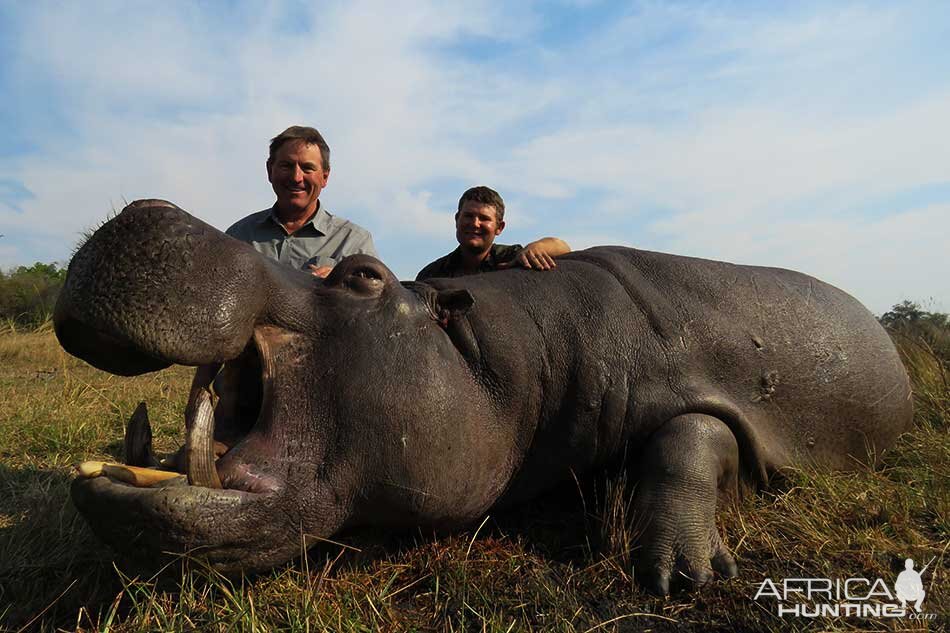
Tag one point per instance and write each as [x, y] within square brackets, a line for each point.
[814, 136]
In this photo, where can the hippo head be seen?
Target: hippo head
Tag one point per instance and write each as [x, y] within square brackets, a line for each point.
[331, 397]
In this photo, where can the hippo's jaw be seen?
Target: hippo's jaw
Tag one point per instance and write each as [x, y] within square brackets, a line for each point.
[146, 524]
[239, 511]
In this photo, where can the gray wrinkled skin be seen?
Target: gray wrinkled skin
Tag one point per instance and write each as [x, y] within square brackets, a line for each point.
[410, 404]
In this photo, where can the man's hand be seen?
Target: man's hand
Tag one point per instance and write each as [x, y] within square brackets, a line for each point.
[538, 255]
[320, 271]
[535, 257]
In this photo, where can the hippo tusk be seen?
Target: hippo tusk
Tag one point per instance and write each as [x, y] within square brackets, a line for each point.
[141, 477]
[203, 379]
[199, 443]
[138, 439]
[201, 384]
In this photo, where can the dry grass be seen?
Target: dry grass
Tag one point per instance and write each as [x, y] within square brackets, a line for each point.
[561, 564]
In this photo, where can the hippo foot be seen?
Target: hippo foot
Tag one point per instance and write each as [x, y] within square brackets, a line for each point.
[687, 465]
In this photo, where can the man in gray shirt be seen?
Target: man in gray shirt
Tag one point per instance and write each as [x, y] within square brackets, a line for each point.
[297, 230]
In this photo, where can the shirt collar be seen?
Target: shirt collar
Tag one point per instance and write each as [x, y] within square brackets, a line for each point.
[455, 259]
[320, 221]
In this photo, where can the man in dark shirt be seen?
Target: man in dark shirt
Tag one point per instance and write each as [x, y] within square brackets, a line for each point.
[479, 220]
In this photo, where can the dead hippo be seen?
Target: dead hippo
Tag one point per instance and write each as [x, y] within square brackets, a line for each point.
[366, 401]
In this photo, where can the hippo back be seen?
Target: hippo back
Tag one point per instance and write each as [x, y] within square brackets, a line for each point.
[591, 358]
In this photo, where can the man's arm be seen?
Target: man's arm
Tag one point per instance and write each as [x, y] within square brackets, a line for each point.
[539, 255]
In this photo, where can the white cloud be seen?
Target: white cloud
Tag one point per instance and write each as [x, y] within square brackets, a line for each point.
[880, 261]
[754, 133]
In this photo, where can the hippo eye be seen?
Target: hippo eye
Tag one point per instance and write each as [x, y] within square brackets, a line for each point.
[364, 280]
[367, 273]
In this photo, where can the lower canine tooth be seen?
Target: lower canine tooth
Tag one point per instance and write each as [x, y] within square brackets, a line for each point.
[88, 470]
[199, 444]
[138, 439]
[135, 475]
[129, 474]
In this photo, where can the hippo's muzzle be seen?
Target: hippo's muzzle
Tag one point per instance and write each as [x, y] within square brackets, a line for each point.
[240, 491]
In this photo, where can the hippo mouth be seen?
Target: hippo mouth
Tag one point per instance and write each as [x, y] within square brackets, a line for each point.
[261, 464]
[224, 404]
[221, 494]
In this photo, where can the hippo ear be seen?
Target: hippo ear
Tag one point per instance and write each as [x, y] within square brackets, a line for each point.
[455, 302]
[452, 304]
[442, 305]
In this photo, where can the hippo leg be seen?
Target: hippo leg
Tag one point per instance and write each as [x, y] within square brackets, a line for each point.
[687, 464]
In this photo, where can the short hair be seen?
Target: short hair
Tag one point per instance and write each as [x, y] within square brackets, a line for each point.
[308, 135]
[484, 195]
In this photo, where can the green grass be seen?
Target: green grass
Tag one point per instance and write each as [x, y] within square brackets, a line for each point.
[561, 564]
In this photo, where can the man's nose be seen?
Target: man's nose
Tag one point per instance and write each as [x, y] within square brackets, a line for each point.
[297, 173]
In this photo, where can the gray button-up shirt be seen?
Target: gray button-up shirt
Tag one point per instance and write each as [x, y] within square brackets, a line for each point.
[323, 241]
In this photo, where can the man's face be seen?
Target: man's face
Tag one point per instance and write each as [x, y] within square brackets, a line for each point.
[297, 176]
[476, 226]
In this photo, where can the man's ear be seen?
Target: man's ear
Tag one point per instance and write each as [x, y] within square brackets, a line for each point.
[269, 162]
[501, 227]
[326, 177]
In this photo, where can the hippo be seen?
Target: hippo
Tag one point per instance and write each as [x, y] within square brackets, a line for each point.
[360, 400]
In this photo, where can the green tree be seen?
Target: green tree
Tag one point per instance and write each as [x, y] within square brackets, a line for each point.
[28, 293]
[908, 319]
[903, 314]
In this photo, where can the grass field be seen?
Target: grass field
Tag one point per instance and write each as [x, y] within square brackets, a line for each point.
[562, 564]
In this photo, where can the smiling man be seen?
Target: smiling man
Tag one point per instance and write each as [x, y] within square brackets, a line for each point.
[479, 220]
[297, 230]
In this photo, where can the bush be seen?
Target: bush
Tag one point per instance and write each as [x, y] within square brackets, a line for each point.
[932, 329]
[923, 340]
[28, 294]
